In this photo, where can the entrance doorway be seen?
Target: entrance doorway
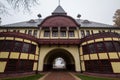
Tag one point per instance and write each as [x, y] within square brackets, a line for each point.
[59, 59]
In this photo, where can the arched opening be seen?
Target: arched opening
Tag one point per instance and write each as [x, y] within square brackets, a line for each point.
[64, 58]
[59, 63]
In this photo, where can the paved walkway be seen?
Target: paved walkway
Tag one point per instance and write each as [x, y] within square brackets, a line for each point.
[59, 76]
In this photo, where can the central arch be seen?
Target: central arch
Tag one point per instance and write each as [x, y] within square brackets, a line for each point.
[53, 54]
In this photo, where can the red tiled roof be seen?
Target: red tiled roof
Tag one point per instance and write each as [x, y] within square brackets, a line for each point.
[59, 21]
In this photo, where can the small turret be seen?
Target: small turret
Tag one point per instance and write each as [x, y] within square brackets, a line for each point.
[59, 11]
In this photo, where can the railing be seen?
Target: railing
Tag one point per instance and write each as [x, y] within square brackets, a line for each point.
[59, 41]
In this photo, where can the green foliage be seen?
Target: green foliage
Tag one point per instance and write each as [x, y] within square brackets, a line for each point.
[34, 77]
[116, 17]
[83, 77]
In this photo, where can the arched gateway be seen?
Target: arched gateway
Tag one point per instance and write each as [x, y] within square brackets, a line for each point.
[56, 53]
[85, 46]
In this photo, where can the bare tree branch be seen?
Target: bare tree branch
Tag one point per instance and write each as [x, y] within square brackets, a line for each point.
[22, 5]
[25, 4]
[3, 9]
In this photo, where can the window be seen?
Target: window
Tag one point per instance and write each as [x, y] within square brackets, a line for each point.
[63, 33]
[92, 32]
[99, 66]
[103, 30]
[1, 45]
[17, 46]
[25, 31]
[117, 46]
[25, 48]
[82, 34]
[85, 49]
[33, 49]
[100, 47]
[35, 33]
[71, 34]
[14, 31]
[109, 46]
[106, 66]
[7, 46]
[87, 32]
[100, 31]
[47, 34]
[55, 34]
[29, 65]
[22, 65]
[11, 65]
[92, 48]
[30, 32]
[15, 65]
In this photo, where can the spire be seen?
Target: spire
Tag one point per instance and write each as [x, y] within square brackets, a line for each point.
[59, 11]
[59, 2]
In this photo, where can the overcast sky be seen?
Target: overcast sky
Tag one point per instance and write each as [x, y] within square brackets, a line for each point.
[94, 10]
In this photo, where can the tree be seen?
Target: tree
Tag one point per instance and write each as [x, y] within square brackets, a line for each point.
[116, 18]
[17, 4]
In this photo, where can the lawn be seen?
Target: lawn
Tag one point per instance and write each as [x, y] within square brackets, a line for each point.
[33, 77]
[84, 77]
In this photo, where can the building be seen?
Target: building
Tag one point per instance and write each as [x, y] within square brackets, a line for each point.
[86, 46]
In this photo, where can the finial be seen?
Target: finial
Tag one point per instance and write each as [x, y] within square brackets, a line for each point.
[78, 15]
[59, 2]
[39, 16]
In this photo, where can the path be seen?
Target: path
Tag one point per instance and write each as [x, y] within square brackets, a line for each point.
[59, 76]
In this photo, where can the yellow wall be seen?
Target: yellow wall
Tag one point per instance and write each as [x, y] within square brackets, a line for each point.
[36, 57]
[27, 41]
[86, 57]
[81, 51]
[31, 57]
[108, 39]
[98, 40]
[18, 39]
[116, 67]
[24, 56]
[2, 38]
[35, 66]
[115, 39]
[72, 49]
[103, 56]
[93, 56]
[81, 58]
[91, 41]
[37, 50]
[84, 43]
[83, 65]
[2, 66]
[119, 53]
[4, 54]
[9, 38]
[22, 31]
[14, 55]
[113, 55]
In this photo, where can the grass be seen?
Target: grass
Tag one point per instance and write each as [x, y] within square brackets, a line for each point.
[33, 77]
[84, 77]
